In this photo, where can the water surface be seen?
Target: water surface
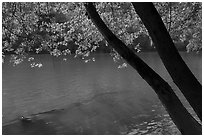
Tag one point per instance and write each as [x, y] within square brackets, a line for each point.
[86, 98]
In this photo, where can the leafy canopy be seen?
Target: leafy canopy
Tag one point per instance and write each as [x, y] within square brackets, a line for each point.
[65, 28]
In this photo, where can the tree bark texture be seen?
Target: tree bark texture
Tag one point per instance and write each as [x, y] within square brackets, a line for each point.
[178, 70]
[183, 120]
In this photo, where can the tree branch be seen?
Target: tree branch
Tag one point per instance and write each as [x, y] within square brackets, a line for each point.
[178, 70]
[183, 120]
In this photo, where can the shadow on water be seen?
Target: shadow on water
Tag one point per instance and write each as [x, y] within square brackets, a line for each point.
[105, 113]
[111, 102]
[37, 127]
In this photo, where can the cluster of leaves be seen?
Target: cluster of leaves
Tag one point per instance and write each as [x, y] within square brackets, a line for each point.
[51, 27]
[184, 22]
[37, 27]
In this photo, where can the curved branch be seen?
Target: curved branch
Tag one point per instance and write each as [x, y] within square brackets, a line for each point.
[183, 120]
[178, 70]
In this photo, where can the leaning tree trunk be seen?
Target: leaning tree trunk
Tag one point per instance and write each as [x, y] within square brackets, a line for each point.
[183, 120]
[179, 71]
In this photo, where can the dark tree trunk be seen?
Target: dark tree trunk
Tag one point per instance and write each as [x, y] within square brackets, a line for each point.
[179, 71]
[183, 120]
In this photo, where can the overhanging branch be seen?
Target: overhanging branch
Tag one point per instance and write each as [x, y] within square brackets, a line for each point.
[183, 120]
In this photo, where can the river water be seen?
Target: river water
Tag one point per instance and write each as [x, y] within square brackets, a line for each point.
[72, 96]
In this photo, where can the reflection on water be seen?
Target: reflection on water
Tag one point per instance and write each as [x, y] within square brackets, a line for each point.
[86, 98]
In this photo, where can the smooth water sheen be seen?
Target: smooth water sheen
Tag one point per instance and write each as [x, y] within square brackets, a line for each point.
[89, 98]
